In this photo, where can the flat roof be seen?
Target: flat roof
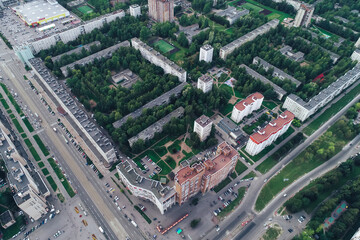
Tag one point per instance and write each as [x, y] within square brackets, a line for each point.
[205, 78]
[203, 121]
[76, 50]
[247, 101]
[38, 10]
[6, 217]
[272, 127]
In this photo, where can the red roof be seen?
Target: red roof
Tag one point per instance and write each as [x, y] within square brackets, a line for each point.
[247, 101]
[273, 127]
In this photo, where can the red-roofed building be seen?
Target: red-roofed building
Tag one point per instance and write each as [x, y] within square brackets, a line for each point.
[267, 135]
[204, 176]
[247, 106]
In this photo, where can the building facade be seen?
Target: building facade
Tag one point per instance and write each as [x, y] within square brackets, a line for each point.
[232, 14]
[355, 56]
[247, 106]
[202, 126]
[161, 10]
[135, 10]
[303, 16]
[205, 83]
[229, 48]
[206, 53]
[159, 60]
[7, 219]
[357, 44]
[201, 177]
[267, 135]
[303, 110]
[145, 188]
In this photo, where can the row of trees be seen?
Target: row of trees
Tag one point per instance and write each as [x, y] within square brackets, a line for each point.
[353, 112]
[281, 6]
[338, 30]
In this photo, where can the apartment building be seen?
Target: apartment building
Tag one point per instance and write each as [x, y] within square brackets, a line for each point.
[205, 83]
[246, 106]
[156, 58]
[135, 10]
[161, 10]
[202, 126]
[303, 110]
[355, 56]
[303, 15]
[204, 176]
[229, 48]
[267, 135]
[206, 53]
[145, 188]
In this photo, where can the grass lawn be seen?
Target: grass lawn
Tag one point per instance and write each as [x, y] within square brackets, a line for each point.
[175, 147]
[179, 56]
[187, 156]
[24, 135]
[45, 171]
[28, 143]
[281, 17]
[269, 104]
[28, 124]
[161, 151]
[238, 94]
[41, 164]
[61, 197]
[285, 135]
[250, 175]
[227, 109]
[229, 30]
[4, 103]
[331, 111]
[227, 88]
[300, 165]
[9, 111]
[233, 204]
[250, 7]
[240, 167]
[262, 153]
[117, 176]
[246, 158]
[272, 233]
[18, 126]
[151, 154]
[14, 229]
[41, 145]
[267, 164]
[162, 142]
[165, 168]
[221, 185]
[51, 182]
[171, 162]
[35, 154]
[61, 177]
[272, 16]
[163, 46]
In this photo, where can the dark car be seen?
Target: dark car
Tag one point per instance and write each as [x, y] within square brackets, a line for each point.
[290, 230]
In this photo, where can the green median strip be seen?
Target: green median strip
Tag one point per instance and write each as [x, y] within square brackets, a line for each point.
[45, 171]
[234, 203]
[11, 98]
[35, 154]
[28, 124]
[61, 177]
[18, 126]
[221, 185]
[4, 103]
[147, 219]
[240, 167]
[52, 183]
[41, 145]
[41, 164]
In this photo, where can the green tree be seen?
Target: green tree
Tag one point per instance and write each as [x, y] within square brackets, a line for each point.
[182, 40]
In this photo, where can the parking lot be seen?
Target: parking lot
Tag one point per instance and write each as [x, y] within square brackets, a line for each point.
[18, 33]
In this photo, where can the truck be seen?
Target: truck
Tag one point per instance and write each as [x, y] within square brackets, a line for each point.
[101, 229]
[134, 223]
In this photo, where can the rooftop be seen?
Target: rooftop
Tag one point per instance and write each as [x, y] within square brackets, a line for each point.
[37, 10]
[150, 131]
[203, 121]
[232, 13]
[288, 52]
[6, 217]
[207, 47]
[160, 191]
[205, 78]
[76, 50]
[165, 98]
[272, 127]
[247, 101]
[125, 78]
[186, 173]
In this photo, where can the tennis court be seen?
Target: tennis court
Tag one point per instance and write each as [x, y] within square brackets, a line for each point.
[163, 46]
[85, 9]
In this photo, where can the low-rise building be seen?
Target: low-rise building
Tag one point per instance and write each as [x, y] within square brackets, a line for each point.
[355, 56]
[190, 31]
[157, 127]
[156, 58]
[303, 15]
[205, 83]
[232, 14]
[280, 92]
[125, 78]
[267, 135]
[229, 48]
[289, 53]
[163, 197]
[135, 10]
[276, 71]
[106, 53]
[206, 53]
[7, 219]
[246, 106]
[303, 110]
[201, 177]
[202, 126]
[77, 50]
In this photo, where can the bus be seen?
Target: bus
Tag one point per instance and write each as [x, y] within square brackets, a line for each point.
[47, 27]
